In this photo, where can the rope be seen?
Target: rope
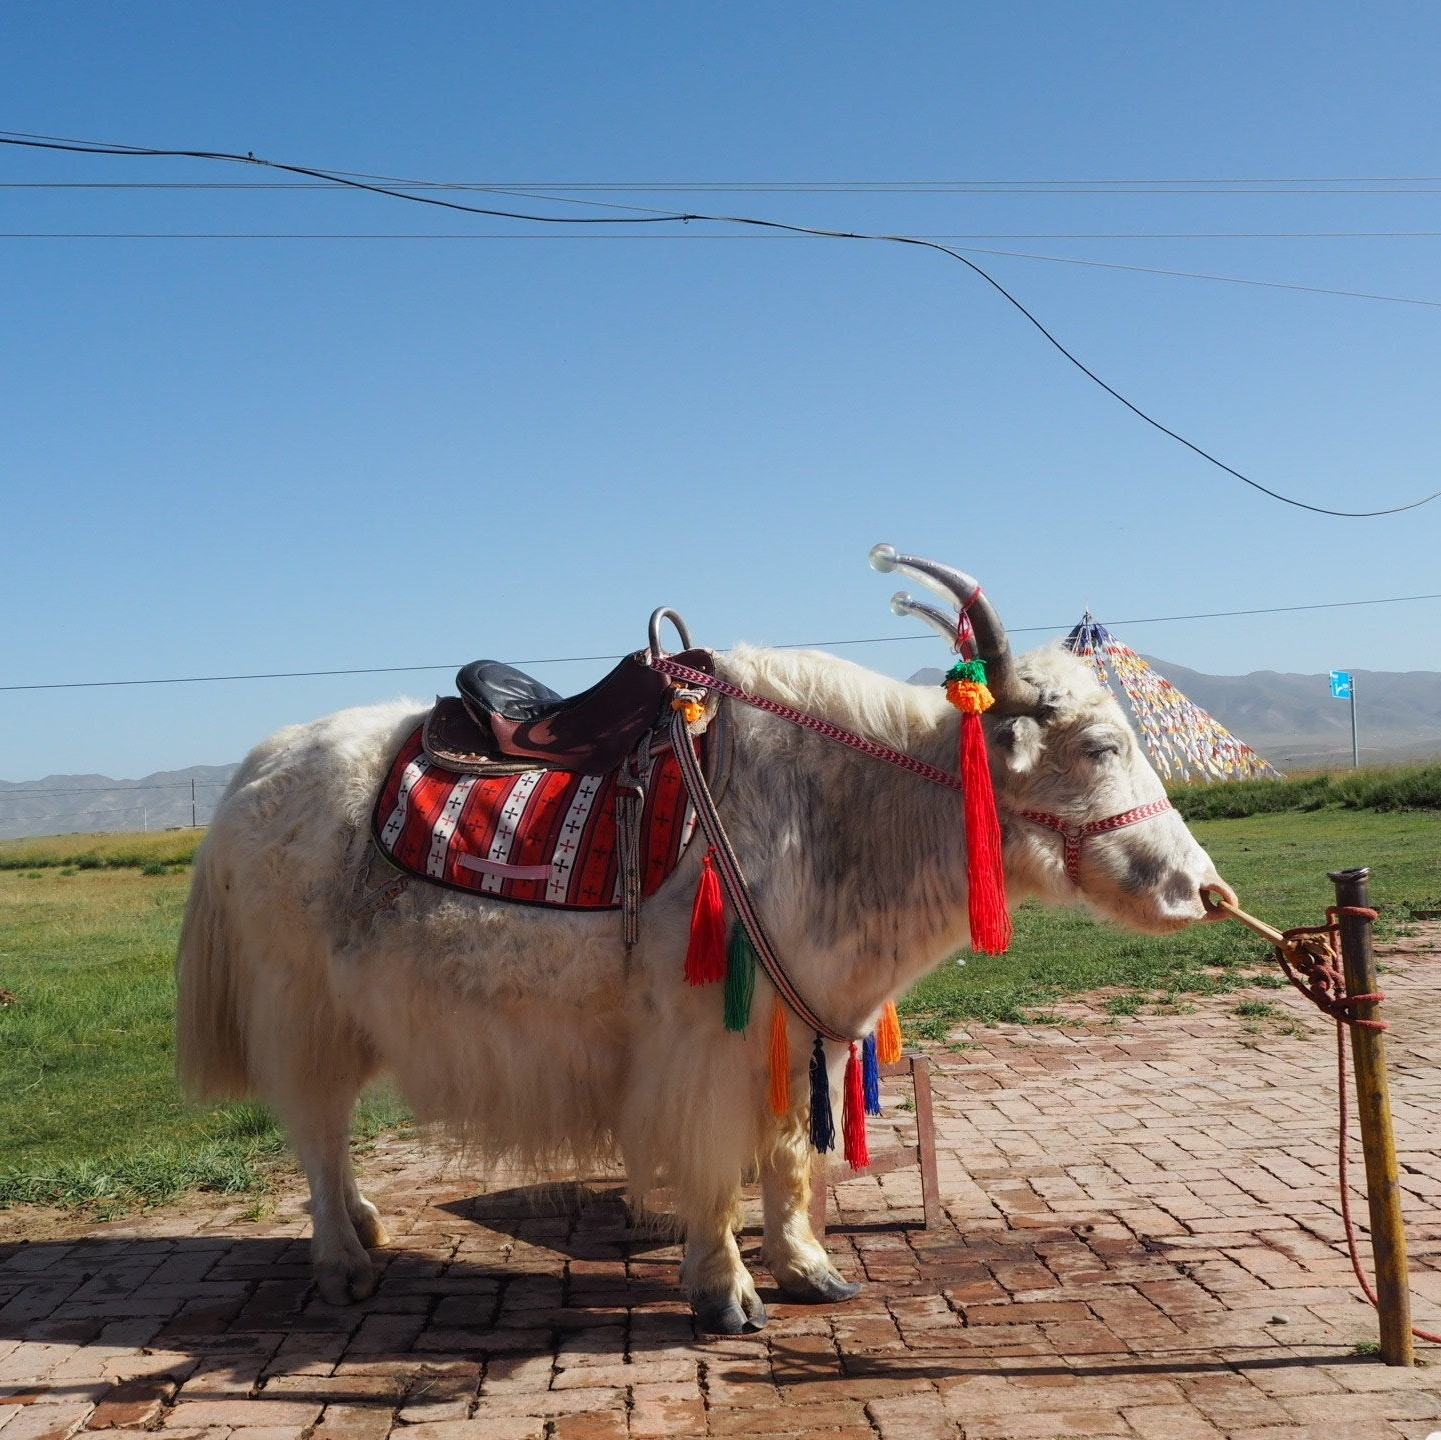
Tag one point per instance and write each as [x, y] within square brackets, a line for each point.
[1309, 958]
[1307, 955]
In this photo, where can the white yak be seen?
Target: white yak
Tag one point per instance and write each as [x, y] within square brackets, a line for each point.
[537, 1041]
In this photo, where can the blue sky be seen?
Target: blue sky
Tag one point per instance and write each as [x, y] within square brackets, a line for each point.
[225, 456]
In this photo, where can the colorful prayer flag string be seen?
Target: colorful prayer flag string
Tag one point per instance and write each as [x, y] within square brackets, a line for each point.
[1183, 741]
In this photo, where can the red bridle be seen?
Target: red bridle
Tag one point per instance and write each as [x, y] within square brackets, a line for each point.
[1073, 834]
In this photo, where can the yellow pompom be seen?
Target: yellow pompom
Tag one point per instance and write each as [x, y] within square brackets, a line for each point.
[691, 709]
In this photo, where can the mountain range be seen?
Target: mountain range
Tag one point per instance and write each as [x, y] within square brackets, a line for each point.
[1290, 719]
[1293, 721]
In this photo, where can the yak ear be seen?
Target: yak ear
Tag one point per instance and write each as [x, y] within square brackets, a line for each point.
[1019, 737]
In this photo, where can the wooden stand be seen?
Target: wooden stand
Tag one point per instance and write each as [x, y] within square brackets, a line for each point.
[1373, 1106]
[922, 1153]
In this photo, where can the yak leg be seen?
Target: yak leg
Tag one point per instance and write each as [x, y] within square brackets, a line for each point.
[719, 1286]
[790, 1250]
[312, 1076]
[344, 1224]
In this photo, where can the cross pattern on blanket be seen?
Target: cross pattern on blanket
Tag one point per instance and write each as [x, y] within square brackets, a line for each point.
[542, 837]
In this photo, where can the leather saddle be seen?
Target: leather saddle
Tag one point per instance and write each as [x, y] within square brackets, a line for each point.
[505, 719]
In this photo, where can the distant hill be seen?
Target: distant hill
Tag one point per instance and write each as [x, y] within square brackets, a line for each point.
[1293, 721]
[1290, 719]
[83, 804]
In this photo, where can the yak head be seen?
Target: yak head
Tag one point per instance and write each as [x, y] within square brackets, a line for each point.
[1085, 817]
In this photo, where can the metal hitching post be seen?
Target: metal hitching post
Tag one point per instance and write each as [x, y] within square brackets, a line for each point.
[1373, 1105]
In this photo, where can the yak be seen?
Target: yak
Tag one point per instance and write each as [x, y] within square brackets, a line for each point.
[540, 1038]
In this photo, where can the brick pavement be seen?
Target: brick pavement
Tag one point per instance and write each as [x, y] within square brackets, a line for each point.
[1142, 1241]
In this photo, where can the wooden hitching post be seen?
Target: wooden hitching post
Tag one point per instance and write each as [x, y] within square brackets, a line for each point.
[1373, 1105]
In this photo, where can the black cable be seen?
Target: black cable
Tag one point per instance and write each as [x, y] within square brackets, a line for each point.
[10, 138]
[83, 148]
[503, 235]
[19, 792]
[791, 645]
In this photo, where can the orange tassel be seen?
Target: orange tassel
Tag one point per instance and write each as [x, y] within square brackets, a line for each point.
[853, 1115]
[970, 697]
[780, 1060]
[888, 1035]
[705, 956]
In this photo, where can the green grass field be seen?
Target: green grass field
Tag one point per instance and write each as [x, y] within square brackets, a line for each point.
[99, 852]
[89, 1108]
[90, 1112]
[1278, 866]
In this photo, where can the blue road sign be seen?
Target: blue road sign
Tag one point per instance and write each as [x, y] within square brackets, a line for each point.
[1340, 684]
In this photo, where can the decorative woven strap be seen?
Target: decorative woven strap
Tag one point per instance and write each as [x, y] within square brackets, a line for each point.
[874, 748]
[1073, 834]
[733, 880]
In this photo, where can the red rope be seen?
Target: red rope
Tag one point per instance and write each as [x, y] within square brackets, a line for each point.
[1312, 965]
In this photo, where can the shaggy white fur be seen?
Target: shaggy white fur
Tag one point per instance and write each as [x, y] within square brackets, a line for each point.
[530, 1034]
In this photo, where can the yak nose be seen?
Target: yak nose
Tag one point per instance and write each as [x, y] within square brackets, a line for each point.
[1210, 891]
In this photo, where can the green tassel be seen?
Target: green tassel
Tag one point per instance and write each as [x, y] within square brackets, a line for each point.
[968, 670]
[740, 978]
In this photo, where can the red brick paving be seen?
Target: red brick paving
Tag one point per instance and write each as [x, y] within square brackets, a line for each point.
[1142, 1240]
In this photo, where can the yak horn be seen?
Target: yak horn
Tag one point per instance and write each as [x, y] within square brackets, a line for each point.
[965, 592]
[942, 622]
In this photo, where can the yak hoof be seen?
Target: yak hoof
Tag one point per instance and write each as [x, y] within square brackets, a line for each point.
[818, 1289]
[369, 1227]
[340, 1283]
[722, 1315]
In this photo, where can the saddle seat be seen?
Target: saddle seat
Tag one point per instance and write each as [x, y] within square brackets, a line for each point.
[504, 715]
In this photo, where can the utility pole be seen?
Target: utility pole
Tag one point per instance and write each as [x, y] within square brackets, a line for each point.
[1355, 743]
[192, 802]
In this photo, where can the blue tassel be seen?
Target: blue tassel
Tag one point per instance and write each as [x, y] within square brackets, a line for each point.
[823, 1128]
[871, 1075]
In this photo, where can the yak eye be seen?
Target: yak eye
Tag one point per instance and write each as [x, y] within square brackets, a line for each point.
[1099, 750]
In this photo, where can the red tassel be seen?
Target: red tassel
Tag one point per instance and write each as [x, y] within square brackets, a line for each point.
[705, 956]
[985, 870]
[853, 1115]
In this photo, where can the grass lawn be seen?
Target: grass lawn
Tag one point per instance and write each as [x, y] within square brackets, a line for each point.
[90, 1112]
[1277, 864]
[89, 1107]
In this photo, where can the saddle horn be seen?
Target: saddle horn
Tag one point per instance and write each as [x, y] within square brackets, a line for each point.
[964, 592]
[657, 619]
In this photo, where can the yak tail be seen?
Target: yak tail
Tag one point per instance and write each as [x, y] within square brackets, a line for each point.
[209, 1023]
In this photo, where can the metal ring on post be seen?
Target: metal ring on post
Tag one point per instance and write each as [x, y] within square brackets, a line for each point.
[681, 629]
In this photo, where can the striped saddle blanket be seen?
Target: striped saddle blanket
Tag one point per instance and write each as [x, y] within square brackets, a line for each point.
[540, 837]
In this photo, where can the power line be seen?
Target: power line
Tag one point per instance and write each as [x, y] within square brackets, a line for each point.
[791, 645]
[635, 216]
[19, 792]
[1356, 185]
[521, 235]
[1009, 254]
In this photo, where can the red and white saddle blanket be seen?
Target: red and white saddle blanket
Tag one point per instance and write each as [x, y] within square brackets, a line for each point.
[541, 837]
